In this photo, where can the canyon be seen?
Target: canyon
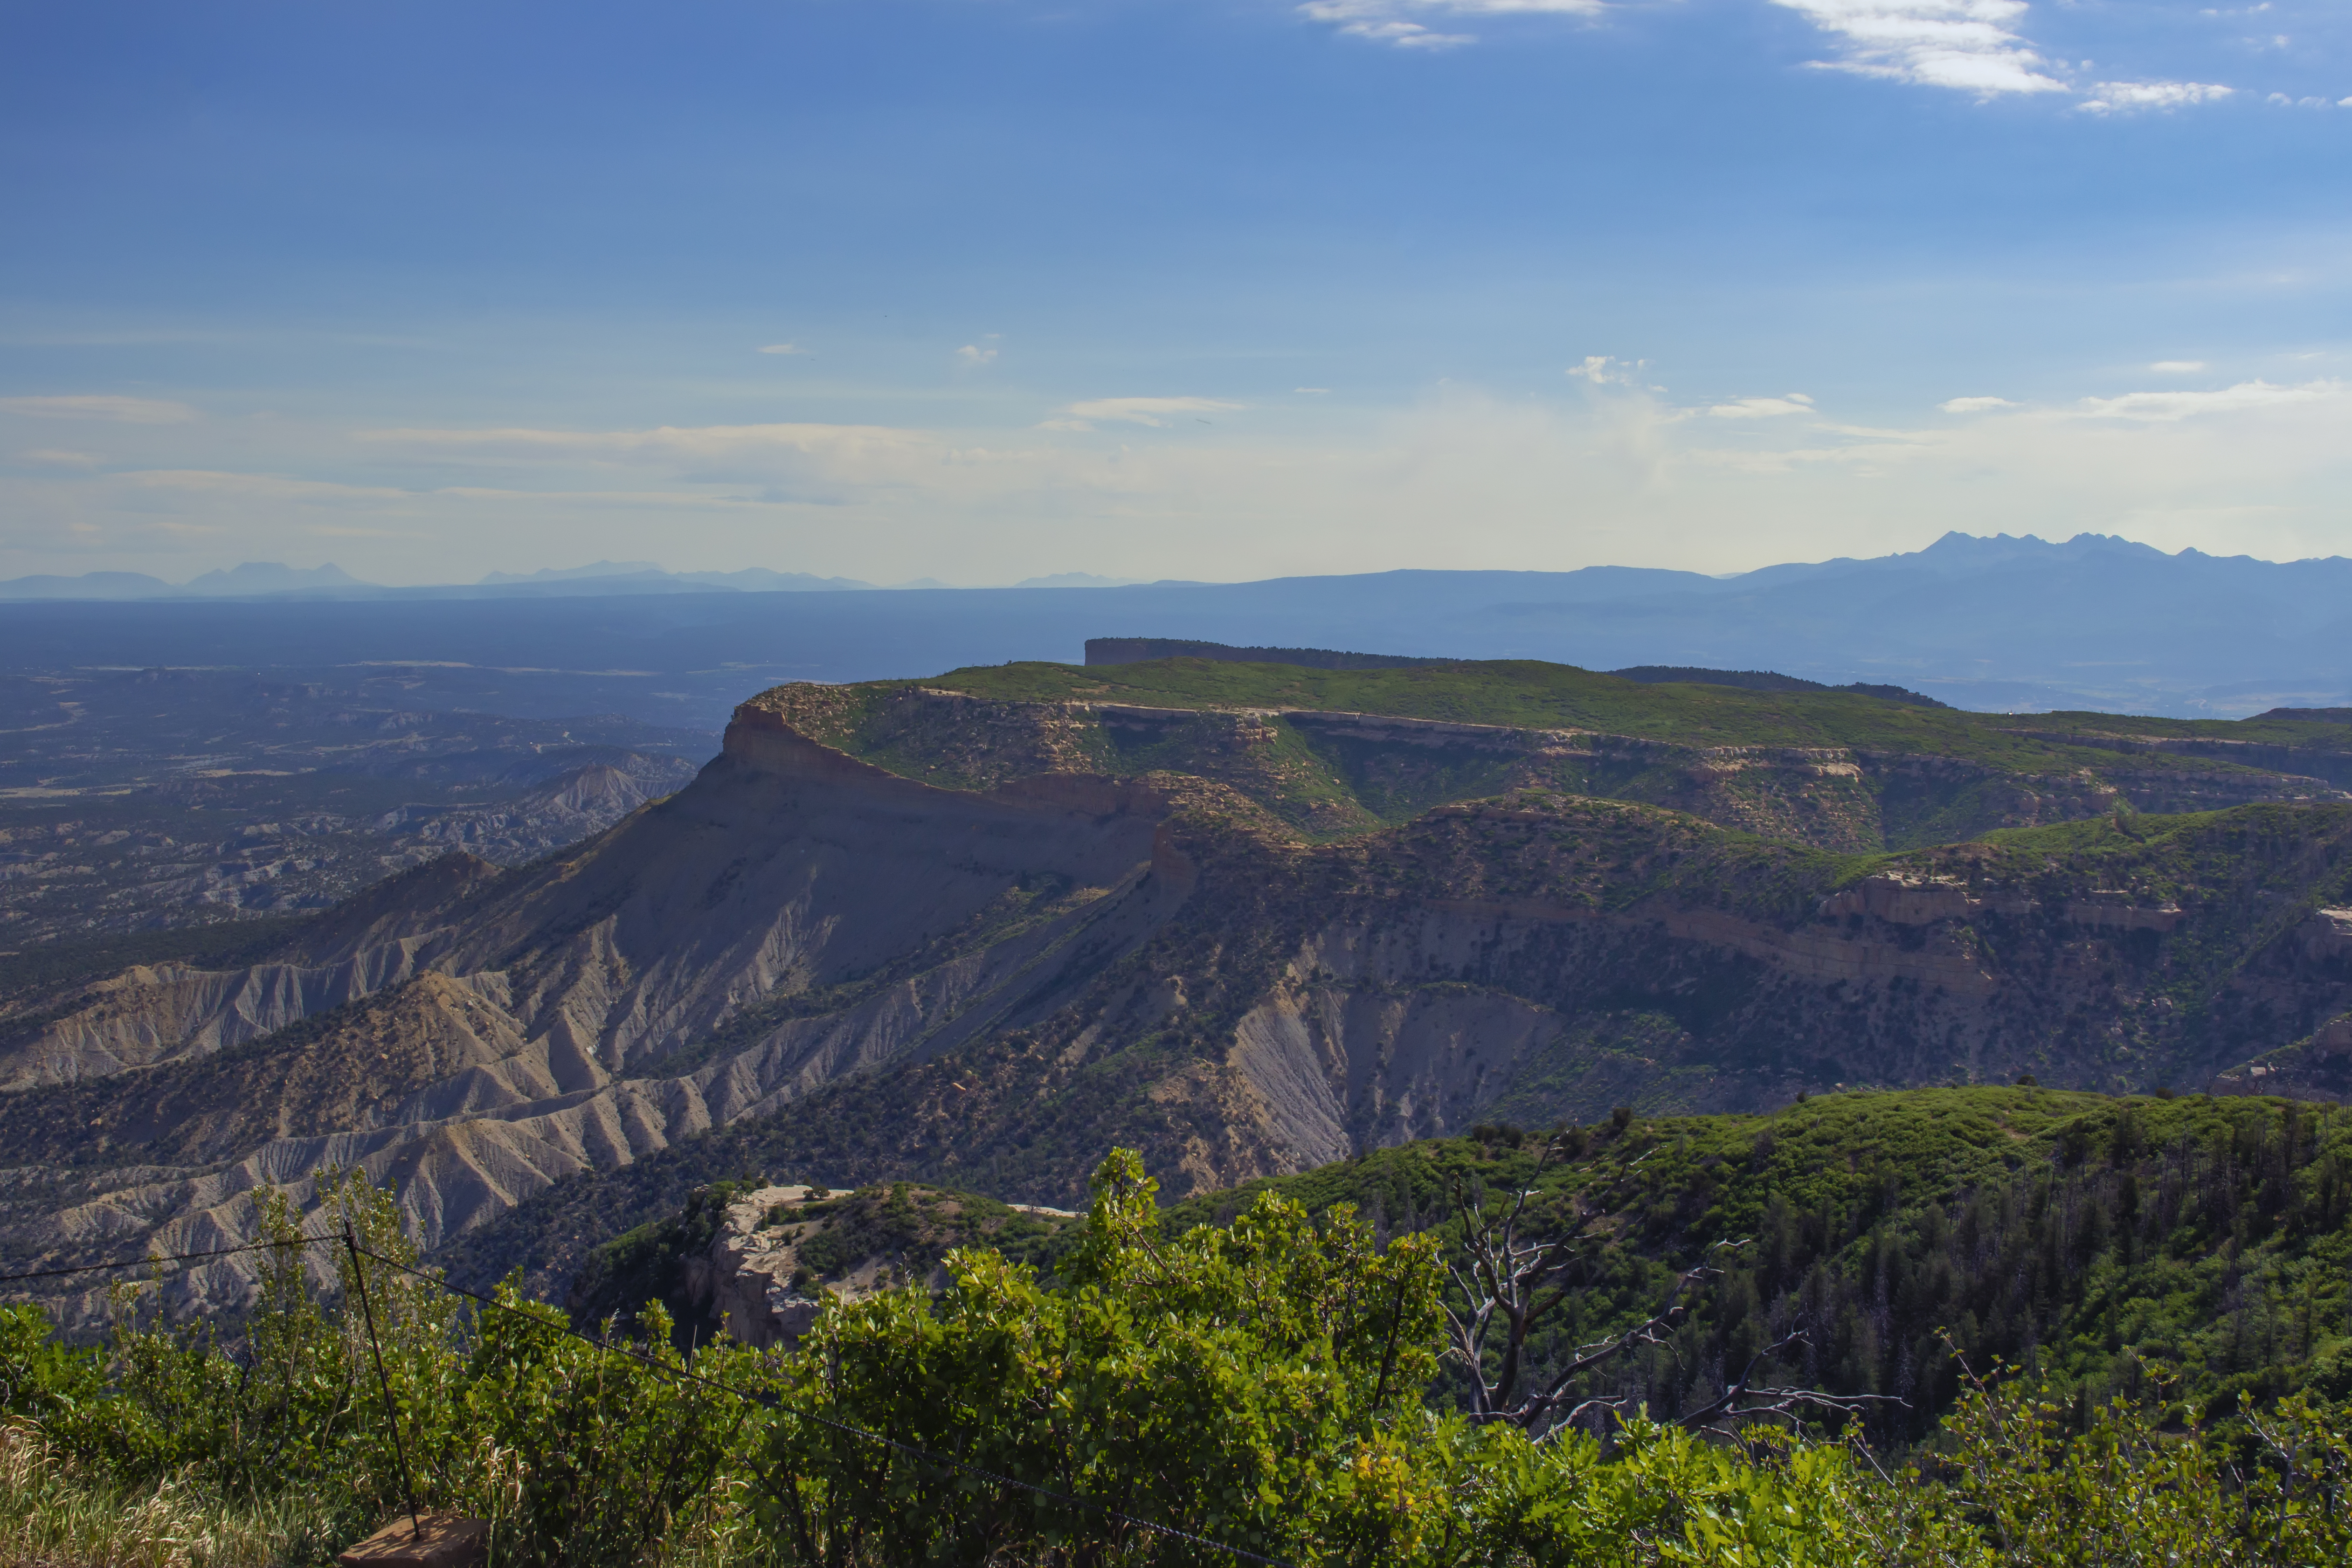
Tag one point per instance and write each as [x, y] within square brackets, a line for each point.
[938, 932]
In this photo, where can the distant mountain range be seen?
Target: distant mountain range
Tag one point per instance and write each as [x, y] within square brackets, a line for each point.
[254, 579]
[2010, 623]
[269, 579]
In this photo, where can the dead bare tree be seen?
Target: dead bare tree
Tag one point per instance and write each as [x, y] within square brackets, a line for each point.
[1510, 1281]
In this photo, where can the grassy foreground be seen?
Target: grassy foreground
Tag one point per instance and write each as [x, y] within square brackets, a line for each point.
[1261, 1386]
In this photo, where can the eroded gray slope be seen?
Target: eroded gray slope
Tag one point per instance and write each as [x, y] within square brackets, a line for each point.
[909, 917]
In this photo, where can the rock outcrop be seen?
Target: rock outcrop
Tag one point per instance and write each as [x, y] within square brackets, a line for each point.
[758, 1262]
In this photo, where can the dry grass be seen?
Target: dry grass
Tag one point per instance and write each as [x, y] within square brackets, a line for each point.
[52, 1517]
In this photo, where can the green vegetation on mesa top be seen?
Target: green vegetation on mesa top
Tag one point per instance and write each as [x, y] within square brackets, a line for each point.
[1841, 771]
[1529, 694]
[2107, 1242]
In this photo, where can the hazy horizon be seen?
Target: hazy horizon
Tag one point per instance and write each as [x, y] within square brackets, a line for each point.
[1071, 578]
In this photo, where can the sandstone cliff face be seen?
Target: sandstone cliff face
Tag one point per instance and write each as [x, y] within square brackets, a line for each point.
[750, 1279]
[1327, 772]
[992, 985]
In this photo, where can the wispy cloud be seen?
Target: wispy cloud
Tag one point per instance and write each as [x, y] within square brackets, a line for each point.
[199, 488]
[1137, 411]
[2177, 367]
[121, 410]
[1763, 407]
[1392, 21]
[1968, 45]
[2173, 405]
[670, 442]
[2129, 95]
[782, 348]
[55, 457]
[1601, 370]
[213, 482]
[1973, 404]
[1656, 483]
[975, 354]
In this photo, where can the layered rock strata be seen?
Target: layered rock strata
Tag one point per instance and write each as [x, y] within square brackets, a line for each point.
[1025, 973]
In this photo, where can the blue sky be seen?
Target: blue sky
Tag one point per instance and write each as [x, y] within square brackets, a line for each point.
[978, 289]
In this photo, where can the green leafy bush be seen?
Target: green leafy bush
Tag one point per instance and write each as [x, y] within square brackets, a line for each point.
[1262, 1387]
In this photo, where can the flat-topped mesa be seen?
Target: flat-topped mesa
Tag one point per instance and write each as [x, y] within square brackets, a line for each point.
[1333, 770]
[1325, 771]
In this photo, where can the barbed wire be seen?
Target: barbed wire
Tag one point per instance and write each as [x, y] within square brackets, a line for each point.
[154, 1258]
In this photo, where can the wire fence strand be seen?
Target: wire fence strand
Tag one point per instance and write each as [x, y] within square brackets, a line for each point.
[151, 1258]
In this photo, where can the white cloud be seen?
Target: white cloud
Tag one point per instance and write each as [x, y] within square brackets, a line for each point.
[1970, 45]
[2174, 405]
[1405, 35]
[664, 442]
[211, 482]
[783, 348]
[121, 410]
[54, 457]
[192, 489]
[1972, 404]
[2127, 95]
[2177, 367]
[2262, 469]
[1763, 407]
[973, 354]
[1601, 370]
[733, 462]
[1144, 410]
[1392, 21]
[1313, 392]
